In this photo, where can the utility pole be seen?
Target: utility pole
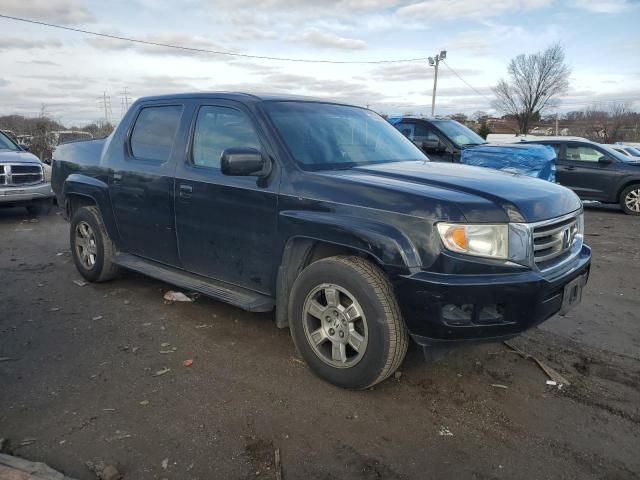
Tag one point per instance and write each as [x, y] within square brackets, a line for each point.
[124, 102]
[556, 124]
[105, 100]
[435, 62]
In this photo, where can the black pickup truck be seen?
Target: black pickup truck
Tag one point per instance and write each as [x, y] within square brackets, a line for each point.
[327, 214]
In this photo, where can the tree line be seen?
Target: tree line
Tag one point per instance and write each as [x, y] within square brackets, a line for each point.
[534, 84]
[40, 128]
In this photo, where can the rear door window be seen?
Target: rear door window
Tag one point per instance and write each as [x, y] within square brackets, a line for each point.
[154, 132]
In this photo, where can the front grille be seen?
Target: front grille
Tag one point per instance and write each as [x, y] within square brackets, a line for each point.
[554, 239]
[20, 174]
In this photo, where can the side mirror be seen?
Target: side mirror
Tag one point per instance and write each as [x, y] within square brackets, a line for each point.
[24, 148]
[243, 162]
[605, 160]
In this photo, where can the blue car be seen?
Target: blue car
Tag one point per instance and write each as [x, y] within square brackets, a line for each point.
[445, 140]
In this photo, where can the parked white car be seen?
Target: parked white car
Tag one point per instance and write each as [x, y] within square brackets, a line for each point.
[627, 150]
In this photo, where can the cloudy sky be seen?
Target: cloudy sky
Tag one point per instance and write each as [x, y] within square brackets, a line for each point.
[69, 72]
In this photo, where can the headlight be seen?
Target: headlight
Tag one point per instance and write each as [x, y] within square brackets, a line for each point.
[482, 240]
[580, 233]
[46, 170]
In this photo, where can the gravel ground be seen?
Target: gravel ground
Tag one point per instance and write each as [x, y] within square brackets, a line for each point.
[80, 384]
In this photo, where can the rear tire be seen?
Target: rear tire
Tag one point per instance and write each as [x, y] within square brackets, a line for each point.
[345, 322]
[91, 247]
[40, 207]
[630, 200]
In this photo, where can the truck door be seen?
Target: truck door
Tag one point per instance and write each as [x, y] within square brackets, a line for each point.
[580, 169]
[226, 225]
[428, 140]
[141, 183]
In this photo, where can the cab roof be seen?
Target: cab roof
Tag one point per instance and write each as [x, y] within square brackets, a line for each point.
[244, 97]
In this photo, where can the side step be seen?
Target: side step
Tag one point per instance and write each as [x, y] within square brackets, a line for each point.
[238, 296]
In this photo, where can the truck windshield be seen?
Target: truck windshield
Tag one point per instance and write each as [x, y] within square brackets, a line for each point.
[323, 136]
[633, 151]
[6, 143]
[458, 133]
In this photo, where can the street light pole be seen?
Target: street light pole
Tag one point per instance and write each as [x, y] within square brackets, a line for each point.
[435, 62]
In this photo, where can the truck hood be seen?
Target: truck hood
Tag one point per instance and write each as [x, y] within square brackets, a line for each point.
[10, 156]
[519, 198]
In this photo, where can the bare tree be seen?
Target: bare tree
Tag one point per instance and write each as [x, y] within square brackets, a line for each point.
[41, 125]
[458, 117]
[480, 116]
[100, 128]
[609, 125]
[535, 81]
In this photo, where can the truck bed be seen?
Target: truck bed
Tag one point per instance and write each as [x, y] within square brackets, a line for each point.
[81, 157]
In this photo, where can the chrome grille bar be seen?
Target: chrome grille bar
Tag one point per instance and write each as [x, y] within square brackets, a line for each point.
[553, 239]
[20, 174]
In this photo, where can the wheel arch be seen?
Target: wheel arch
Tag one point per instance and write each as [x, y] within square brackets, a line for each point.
[81, 191]
[301, 251]
[626, 184]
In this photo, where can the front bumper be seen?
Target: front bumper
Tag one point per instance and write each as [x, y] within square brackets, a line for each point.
[21, 194]
[445, 308]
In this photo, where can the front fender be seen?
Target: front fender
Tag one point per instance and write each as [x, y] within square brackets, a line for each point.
[386, 243]
[95, 190]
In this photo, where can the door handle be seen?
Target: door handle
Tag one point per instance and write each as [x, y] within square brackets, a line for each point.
[185, 191]
[569, 168]
[117, 177]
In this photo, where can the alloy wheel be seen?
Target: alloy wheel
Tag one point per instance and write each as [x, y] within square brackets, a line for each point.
[86, 247]
[632, 200]
[335, 325]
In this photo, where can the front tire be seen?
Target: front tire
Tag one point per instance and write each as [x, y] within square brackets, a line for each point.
[91, 247]
[346, 323]
[630, 200]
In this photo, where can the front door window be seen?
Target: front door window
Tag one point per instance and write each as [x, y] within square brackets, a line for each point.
[582, 153]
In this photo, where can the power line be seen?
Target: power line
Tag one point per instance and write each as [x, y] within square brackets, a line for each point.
[204, 50]
[465, 82]
[559, 105]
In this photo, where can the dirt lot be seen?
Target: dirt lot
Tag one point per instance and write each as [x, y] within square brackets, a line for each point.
[82, 386]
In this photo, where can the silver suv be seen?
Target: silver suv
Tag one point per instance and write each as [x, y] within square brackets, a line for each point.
[24, 179]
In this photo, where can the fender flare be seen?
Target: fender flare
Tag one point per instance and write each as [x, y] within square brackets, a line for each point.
[95, 190]
[384, 243]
